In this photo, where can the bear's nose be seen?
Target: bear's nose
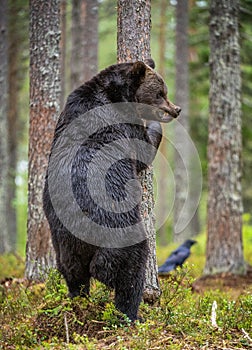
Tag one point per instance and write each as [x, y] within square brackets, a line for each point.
[178, 109]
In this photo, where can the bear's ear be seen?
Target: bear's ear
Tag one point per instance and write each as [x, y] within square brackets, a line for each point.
[139, 69]
[150, 62]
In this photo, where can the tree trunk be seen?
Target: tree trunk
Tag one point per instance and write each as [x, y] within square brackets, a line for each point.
[84, 41]
[63, 5]
[4, 238]
[181, 219]
[77, 44]
[15, 39]
[18, 67]
[133, 43]
[224, 241]
[44, 109]
[90, 62]
[162, 210]
[194, 186]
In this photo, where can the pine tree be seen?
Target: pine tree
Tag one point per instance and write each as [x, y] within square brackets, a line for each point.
[44, 110]
[224, 240]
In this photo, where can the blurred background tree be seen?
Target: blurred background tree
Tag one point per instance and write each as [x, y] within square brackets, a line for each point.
[84, 40]
[182, 207]
[163, 46]
[4, 154]
[18, 68]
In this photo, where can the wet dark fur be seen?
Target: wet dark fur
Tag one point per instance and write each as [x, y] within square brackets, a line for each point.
[120, 268]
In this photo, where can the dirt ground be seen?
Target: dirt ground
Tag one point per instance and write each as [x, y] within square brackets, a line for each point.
[234, 284]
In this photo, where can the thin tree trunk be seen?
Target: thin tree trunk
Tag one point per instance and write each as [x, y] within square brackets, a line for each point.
[181, 220]
[194, 185]
[77, 44]
[162, 180]
[84, 41]
[4, 239]
[44, 109]
[63, 5]
[13, 117]
[224, 240]
[18, 66]
[90, 62]
[133, 43]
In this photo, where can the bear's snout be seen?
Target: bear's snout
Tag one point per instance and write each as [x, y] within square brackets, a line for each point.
[168, 111]
[172, 109]
[178, 110]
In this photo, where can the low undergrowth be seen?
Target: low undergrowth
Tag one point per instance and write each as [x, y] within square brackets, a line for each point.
[41, 316]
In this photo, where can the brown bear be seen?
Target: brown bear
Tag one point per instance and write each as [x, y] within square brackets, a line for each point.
[108, 131]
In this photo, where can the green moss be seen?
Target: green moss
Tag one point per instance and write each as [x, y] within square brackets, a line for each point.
[43, 317]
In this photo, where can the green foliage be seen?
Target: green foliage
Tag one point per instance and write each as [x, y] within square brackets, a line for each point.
[17, 307]
[246, 58]
[21, 206]
[35, 315]
[197, 257]
[11, 266]
[107, 33]
[42, 316]
[247, 237]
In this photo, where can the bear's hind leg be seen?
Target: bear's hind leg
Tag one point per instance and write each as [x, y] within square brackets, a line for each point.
[129, 295]
[129, 282]
[77, 278]
[79, 286]
[124, 270]
[73, 262]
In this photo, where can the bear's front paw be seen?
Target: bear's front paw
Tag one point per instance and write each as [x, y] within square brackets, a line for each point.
[154, 132]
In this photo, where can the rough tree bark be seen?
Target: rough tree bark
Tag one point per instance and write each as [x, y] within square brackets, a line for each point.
[44, 109]
[181, 156]
[4, 238]
[224, 240]
[84, 52]
[133, 43]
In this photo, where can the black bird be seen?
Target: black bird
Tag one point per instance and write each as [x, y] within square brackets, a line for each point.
[177, 257]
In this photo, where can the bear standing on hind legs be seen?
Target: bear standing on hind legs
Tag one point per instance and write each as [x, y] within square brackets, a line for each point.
[107, 133]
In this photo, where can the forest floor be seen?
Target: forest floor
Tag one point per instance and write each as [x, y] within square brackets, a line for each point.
[193, 312]
[227, 282]
[41, 316]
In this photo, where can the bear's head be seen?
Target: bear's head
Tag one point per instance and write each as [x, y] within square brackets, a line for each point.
[152, 91]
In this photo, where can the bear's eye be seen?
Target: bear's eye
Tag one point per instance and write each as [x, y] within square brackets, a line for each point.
[160, 94]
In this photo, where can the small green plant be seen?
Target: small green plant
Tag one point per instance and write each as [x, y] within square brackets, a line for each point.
[113, 318]
[41, 316]
[55, 286]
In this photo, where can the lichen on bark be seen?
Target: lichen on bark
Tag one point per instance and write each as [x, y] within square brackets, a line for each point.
[224, 241]
[133, 43]
[44, 110]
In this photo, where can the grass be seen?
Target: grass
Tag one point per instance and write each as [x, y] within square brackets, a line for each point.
[41, 316]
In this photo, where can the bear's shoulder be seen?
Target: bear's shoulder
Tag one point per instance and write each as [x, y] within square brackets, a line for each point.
[111, 85]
